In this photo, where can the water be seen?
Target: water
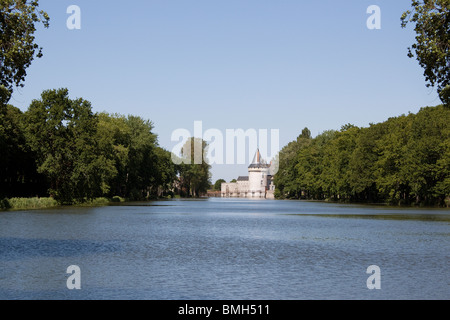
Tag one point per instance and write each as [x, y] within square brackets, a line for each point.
[223, 249]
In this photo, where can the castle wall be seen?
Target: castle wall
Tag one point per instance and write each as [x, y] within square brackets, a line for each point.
[230, 190]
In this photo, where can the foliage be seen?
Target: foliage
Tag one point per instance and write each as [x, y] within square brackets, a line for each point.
[402, 160]
[60, 148]
[144, 170]
[195, 176]
[432, 47]
[18, 20]
[18, 174]
[286, 179]
[218, 184]
[30, 203]
[117, 199]
[4, 204]
[96, 202]
[62, 133]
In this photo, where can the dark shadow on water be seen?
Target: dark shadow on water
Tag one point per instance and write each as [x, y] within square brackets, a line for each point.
[157, 203]
[18, 248]
[140, 204]
[98, 293]
[404, 217]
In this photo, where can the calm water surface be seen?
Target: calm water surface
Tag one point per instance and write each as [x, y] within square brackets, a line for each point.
[224, 249]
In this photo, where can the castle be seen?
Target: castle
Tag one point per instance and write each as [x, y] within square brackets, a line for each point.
[258, 184]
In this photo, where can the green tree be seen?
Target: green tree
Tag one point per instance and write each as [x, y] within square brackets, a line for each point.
[343, 147]
[113, 139]
[405, 159]
[144, 170]
[286, 179]
[361, 165]
[442, 187]
[141, 170]
[131, 143]
[218, 184]
[166, 172]
[18, 20]
[423, 166]
[314, 174]
[18, 173]
[391, 148]
[62, 133]
[195, 175]
[432, 47]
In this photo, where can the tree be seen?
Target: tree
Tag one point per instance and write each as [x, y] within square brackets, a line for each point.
[426, 153]
[218, 184]
[18, 20]
[18, 173]
[306, 134]
[432, 26]
[112, 138]
[166, 173]
[62, 133]
[286, 177]
[143, 170]
[195, 173]
[404, 160]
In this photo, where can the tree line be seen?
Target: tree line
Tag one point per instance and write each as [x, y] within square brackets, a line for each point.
[60, 148]
[404, 160]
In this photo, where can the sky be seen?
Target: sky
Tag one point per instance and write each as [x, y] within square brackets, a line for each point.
[232, 64]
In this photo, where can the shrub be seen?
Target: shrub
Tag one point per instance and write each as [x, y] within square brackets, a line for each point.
[4, 204]
[117, 199]
[31, 203]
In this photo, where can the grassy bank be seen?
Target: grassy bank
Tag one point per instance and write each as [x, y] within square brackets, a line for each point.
[44, 203]
[27, 203]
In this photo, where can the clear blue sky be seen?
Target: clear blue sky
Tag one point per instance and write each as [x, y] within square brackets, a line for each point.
[262, 64]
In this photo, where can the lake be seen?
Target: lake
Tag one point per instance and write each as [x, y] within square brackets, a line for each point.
[226, 249]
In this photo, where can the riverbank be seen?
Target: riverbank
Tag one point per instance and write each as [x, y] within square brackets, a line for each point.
[15, 204]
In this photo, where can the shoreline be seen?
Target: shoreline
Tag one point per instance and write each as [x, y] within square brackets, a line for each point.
[42, 203]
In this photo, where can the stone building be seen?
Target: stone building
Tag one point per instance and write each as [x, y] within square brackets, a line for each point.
[258, 184]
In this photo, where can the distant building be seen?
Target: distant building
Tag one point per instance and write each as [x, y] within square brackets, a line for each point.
[258, 184]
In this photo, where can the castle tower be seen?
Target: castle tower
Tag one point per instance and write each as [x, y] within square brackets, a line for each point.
[258, 173]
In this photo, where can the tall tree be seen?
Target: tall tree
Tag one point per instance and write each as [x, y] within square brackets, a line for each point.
[18, 20]
[113, 137]
[286, 180]
[195, 175]
[18, 174]
[143, 169]
[166, 172]
[62, 133]
[432, 49]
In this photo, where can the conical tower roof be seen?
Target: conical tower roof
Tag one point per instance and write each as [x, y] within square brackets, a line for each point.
[258, 161]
